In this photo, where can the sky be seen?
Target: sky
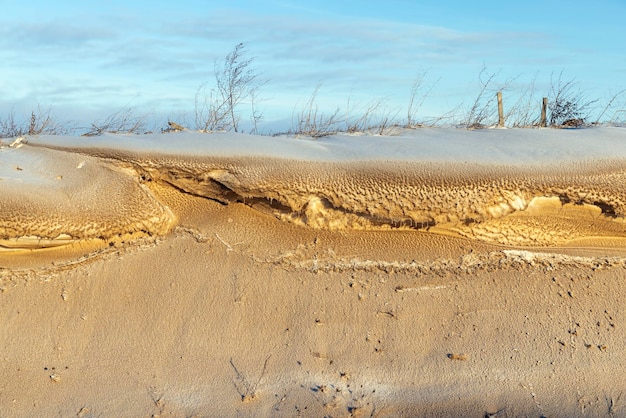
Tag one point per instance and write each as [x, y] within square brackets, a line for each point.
[86, 60]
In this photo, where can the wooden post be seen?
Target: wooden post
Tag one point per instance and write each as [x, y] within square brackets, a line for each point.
[500, 111]
[544, 112]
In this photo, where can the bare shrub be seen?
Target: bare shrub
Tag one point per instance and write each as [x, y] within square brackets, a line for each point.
[362, 118]
[386, 124]
[612, 106]
[10, 128]
[236, 81]
[483, 112]
[123, 121]
[567, 103]
[417, 96]
[385, 121]
[310, 121]
[40, 122]
[373, 117]
[524, 112]
[210, 111]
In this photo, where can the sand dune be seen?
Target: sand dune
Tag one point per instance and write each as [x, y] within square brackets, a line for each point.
[154, 276]
[529, 202]
[52, 198]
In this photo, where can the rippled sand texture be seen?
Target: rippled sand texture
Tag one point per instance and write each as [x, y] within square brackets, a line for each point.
[531, 200]
[142, 276]
[52, 198]
[536, 206]
[541, 205]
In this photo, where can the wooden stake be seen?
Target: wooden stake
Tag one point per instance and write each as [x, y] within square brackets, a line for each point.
[544, 112]
[500, 111]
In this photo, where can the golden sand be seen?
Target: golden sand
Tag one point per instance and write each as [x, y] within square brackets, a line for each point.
[243, 287]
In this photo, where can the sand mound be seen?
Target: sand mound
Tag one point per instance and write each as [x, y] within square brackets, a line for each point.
[532, 205]
[52, 198]
[312, 287]
[540, 204]
[235, 313]
[554, 189]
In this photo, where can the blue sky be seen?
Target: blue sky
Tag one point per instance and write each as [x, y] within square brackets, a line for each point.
[87, 59]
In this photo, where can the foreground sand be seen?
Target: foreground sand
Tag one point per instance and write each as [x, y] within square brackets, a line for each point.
[235, 310]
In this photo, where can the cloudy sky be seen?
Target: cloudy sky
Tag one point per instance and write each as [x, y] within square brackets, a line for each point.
[87, 59]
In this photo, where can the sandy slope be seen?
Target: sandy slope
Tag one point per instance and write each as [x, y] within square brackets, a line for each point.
[234, 312]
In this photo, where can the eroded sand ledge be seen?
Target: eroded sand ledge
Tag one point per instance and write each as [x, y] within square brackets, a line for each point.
[239, 309]
[519, 203]
[53, 198]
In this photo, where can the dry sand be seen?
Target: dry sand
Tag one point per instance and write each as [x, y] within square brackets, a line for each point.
[248, 309]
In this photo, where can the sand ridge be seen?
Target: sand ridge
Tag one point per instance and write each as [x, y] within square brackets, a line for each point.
[241, 308]
[511, 205]
[236, 313]
[53, 198]
[471, 200]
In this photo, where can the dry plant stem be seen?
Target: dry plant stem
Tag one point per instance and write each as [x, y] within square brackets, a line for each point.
[385, 123]
[479, 111]
[483, 110]
[235, 82]
[416, 100]
[210, 112]
[618, 118]
[312, 123]
[372, 119]
[255, 116]
[523, 113]
[609, 105]
[217, 108]
[122, 121]
[40, 122]
[363, 122]
[9, 127]
[244, 387]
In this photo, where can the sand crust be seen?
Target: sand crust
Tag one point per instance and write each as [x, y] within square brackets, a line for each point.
[511, 205]
[240, 299]
[52, 198]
